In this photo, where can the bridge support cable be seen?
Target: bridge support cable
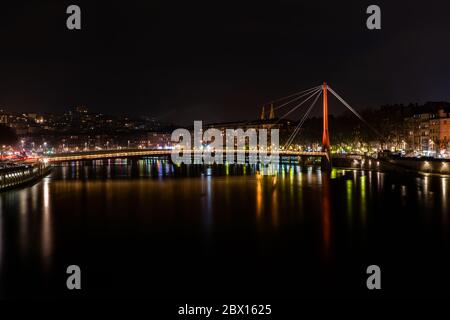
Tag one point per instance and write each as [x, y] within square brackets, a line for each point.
[302, 121]
[354, 112]
[300, 104]
[291, 95]
[297, 97]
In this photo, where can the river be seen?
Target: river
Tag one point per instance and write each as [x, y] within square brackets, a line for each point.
[146, 228]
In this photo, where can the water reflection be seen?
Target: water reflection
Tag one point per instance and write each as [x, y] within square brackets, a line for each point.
[207, 202]
[326, 216]
[1, 236]
[445, 209]
[363, 200]
[46, 228]
[109, 208]
[23, 222]
[349, 193]
[259, 198]
[275, 203]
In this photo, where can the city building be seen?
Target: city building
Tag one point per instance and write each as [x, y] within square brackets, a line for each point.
[427, 129]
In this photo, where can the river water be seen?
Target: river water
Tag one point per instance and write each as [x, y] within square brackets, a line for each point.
[144, 228]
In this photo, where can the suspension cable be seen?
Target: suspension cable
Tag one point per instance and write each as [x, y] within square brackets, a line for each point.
[299, 105]
[291, 95]
[302, 121]
[354, 112]
[301, 95]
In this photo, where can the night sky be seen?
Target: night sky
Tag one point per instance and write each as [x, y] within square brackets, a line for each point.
[219, 60]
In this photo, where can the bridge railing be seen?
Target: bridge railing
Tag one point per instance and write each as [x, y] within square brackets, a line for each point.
[122, 153]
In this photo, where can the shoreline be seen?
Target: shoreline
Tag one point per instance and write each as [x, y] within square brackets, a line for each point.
[17, 177]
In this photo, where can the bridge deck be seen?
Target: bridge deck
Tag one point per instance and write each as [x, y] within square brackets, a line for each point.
[105, 154]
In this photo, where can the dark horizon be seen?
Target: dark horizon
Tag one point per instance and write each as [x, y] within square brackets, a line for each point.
[219, 62]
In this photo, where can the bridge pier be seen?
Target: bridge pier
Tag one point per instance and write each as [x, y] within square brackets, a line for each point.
[325, 162]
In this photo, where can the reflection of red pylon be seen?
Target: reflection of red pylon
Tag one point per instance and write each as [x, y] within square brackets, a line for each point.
[325, 136]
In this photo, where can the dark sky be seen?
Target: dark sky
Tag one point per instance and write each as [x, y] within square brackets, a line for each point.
[219, 60]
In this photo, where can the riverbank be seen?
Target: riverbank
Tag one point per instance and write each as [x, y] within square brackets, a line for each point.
[410, 165]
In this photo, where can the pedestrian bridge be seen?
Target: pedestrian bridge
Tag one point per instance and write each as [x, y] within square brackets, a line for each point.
[312, 94]
[127, 153]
